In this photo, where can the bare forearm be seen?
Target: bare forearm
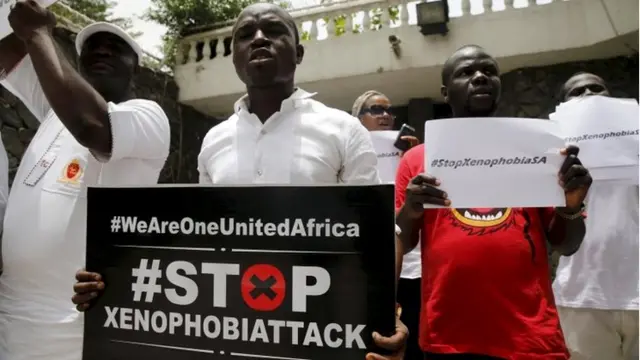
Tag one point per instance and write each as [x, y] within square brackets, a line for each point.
[410, 227]
[566, 235]
[12, 51]
[80, 108]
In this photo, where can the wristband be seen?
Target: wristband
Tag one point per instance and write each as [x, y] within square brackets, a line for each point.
[573, 216]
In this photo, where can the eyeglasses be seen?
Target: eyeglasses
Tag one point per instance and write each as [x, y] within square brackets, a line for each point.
[377, 110]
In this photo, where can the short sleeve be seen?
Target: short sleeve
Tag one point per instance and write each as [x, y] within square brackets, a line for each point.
[403, 177]
[360, 164]
[203, 174]
[23, 83]
[140, 130]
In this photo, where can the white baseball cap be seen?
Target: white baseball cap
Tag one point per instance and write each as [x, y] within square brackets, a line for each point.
[98, 27]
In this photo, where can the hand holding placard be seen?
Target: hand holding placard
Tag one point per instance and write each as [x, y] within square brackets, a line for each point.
[422, 190]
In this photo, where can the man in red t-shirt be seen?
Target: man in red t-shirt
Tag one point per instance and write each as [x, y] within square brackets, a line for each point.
[485, 276]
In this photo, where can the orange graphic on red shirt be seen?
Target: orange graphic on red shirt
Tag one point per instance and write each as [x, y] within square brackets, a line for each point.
[482, 221]
[71, 172]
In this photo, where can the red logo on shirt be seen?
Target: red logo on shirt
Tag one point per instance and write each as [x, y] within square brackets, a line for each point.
[71, 172]
[482, 221]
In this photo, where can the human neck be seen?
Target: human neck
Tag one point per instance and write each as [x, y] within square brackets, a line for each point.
[115, 96]
[266, 101]
[460, 113]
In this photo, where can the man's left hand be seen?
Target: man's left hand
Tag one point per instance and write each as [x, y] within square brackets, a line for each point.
[574, 179]
[27, 18]
[397, 343]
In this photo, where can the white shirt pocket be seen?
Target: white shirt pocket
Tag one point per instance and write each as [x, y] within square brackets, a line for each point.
[68, 172]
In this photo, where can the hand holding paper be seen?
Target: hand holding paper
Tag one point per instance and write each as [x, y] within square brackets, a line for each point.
[423, 190]
[574, 179]
[606, 129]
[27, 18]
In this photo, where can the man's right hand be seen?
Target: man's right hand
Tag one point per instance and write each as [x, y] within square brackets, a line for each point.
[423, 189]
[88, 288]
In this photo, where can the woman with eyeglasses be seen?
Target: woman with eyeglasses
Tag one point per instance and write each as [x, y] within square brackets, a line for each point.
[374, 111]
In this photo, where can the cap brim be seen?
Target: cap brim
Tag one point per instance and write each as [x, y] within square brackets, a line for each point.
[99, 27]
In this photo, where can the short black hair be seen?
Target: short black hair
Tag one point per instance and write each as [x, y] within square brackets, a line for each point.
[447, 68]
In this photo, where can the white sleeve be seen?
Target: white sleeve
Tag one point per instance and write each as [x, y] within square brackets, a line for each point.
[23, 83]
[140, 130]
[204, 177]
[360, 160]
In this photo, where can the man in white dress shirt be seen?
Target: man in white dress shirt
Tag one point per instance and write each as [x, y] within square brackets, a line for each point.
[92, 131]
[596, 289]
[278, 133]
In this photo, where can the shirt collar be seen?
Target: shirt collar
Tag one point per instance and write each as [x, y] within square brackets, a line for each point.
[291, 102]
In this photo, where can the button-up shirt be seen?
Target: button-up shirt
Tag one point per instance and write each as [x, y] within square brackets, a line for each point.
[305, 142]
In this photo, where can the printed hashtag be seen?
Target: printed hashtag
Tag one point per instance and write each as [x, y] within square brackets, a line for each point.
[434, 163]
[115, 224]
[140, 286]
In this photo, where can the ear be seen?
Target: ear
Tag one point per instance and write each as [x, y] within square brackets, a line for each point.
[299, 53]
[445, 93]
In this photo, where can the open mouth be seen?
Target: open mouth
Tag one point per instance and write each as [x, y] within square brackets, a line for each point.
[260, 55]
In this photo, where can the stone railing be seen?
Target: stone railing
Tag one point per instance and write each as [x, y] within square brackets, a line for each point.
[347, 17]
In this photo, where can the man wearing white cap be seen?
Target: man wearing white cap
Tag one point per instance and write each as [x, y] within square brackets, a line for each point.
[93, 132]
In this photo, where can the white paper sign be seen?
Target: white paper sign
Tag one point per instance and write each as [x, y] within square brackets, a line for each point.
[388, 155]
[5, 8]
[495, 162]
[606, 130]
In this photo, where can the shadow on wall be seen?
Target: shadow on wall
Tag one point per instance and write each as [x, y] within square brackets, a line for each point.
[188, 127]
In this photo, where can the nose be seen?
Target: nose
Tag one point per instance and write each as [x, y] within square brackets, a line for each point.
[259, 39]
[102, 50]
[479, 78]
[588, 92]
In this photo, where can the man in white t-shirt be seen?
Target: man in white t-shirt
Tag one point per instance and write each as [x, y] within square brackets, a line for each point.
[596, 289]
[92, 131]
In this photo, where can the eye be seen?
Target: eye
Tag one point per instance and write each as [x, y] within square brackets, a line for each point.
[596, 88]
[576, 92]
[465, 71]
[490, 71]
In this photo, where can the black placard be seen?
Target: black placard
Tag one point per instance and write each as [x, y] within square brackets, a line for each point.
[242, 272]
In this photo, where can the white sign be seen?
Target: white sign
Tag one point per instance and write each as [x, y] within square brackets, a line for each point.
[388, 155]
[606, 130]
[5, 8]
[495, 162]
